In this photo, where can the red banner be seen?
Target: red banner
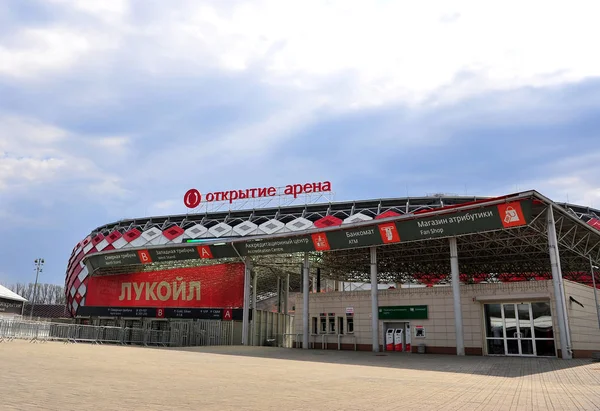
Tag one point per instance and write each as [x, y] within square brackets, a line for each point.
[215, 286]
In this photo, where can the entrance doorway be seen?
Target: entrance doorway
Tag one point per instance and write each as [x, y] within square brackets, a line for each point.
[519, 329]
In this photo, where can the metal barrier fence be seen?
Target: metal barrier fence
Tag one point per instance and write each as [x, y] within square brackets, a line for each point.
[179, 334]
[200, 333]
[28, 330]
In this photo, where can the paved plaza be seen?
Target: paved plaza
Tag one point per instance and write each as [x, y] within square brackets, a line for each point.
[56, 376]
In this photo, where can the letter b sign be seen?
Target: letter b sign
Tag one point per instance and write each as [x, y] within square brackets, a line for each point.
[144, 256]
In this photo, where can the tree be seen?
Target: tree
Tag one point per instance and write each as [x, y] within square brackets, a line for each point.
[46, 293]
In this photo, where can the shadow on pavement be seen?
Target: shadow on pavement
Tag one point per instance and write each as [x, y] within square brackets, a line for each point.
[507, 367]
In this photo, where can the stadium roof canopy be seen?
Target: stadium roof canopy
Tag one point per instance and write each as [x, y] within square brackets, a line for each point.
[492, 245]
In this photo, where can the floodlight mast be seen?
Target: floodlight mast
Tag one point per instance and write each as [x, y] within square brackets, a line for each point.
[39, 264]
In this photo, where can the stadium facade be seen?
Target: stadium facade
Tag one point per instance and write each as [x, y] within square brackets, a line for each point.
[509, 275]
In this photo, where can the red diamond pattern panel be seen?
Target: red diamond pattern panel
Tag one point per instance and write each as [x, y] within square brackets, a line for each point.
[97, 239]
[132, 234]
[78, 259]
[76, 283]
[75, 271]
[78, 297]
[328, 221]
[70, 280]
[86, 242]
[172, 233]
[114, 236]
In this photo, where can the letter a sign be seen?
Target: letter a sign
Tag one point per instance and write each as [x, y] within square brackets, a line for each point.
[227, 314]
[205, 252]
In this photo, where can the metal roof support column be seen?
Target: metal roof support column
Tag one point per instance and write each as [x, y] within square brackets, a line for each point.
[557, 281]
[374, 301]
[286, 294]
[246, 312]
[278, 294]
[593, 273]
[286, 298]
[458, 321]
[254, 316]
[305, 312]
[318, 279]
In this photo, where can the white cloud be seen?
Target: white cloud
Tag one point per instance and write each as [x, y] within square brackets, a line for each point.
[388, 51]
[333, 55]
[34, 154]
[403, 50]
[575, 188]
[18, 133]
[114, 144]
[114, 8]
[574, 179]
[15, 172]
[107, 187]
[41, 51]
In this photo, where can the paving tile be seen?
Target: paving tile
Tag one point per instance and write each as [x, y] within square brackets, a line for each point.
[55, 376]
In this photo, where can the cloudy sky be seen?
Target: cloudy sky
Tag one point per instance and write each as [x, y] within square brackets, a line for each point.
[112, 109]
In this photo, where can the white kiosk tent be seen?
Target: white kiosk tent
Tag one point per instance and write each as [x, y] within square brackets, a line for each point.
[11, 304]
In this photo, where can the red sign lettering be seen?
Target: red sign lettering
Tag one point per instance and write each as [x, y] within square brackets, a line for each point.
[227, 316]
[144, 256]
[205, 252]
[193, 198]
[215, 286]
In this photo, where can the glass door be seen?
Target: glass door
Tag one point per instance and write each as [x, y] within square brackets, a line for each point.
[512, 330]
[525, 328]
[494, 329]
[543, 331]
[519, 329]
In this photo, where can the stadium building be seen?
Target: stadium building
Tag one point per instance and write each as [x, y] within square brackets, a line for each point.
[510, 275]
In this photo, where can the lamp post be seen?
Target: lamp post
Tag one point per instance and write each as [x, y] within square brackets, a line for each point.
[592, 267]
[39, 263]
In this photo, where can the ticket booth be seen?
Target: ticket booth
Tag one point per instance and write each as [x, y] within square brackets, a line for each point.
[389, 340]
[398, 336]
[398, 343]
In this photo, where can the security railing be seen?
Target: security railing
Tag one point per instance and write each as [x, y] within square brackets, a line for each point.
[190, 333]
